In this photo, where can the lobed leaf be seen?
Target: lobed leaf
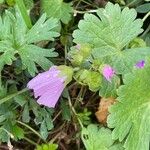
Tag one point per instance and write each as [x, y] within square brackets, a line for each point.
[58, 9]
[16, 38]
[95, 138]
[130, 115]
[109, 33]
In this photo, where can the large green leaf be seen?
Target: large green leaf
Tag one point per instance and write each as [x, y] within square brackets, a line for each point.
[109, 33]
[130, 116]
[114, 31]
[95, 138]
[16, 38]
[58, 9]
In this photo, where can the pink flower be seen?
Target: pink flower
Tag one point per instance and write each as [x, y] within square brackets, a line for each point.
[140, 64]
[48, 86]
[108, 72]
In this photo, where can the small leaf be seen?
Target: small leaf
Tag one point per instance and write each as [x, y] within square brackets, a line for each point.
[49, 146]
[143, 8]
[66, 113]
[25, 114]
[58, 9]
[43, 130]
[109, 89]
[95, 138]
[18, 132]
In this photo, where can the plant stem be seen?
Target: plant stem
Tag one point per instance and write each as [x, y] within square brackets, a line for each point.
[83, 12]
[74, 111]
[24, 13]
[146, 31]
[30, 141]
[34, 131]
[9, 97]
[146, 16]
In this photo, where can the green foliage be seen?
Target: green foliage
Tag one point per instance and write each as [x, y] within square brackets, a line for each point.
[79, 54]
[110, 36]
[58, 9]
[130, 115]
[29, 4]
[109, 89]
[66, 113]
[95, 138]
[85, 116]
[137, 42]
[144, 8]
[49, 146]
[42, 116]
[1, 1]
[8, 127]
[91, 78]
[16, 38]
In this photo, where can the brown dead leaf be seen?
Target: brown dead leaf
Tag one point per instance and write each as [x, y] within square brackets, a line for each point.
[102, 112]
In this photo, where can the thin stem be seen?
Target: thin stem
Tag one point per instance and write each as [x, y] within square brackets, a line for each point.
[74, 111]
[146, 16]
[34, 131]
[79, 96]
[24, 13]
[30, 141]
[83, 12]
[131, 3]
[146, 31]
[66, 55]
[9, 97]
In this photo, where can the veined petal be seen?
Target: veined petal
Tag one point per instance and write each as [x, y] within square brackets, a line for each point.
[47, 87]
[42, 78]
[51, 97]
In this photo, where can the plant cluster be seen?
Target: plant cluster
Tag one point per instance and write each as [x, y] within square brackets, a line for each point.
[53, 68]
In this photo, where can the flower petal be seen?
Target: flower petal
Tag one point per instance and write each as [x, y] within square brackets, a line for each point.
[38, 91]
[108, 72]
[51, 97]
[140, 64]
[43, 77]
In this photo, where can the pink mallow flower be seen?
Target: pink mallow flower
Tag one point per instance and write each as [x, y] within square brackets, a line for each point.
[140, 64]
[108, 72]
[48, 86]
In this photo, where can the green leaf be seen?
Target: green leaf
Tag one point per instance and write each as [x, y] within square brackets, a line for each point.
[25, 114]
[44, 29]
[130, 116]
[112, 32]
[95, 138]
[110, 35]
[143, 8]
[43, 130]
[21, 99]
[32, 55]
[28, 3]
[109, 89]
[17, 132]
[66, 113]
[49, 146]
[58, 9]
[91, 78]
[16, 38]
